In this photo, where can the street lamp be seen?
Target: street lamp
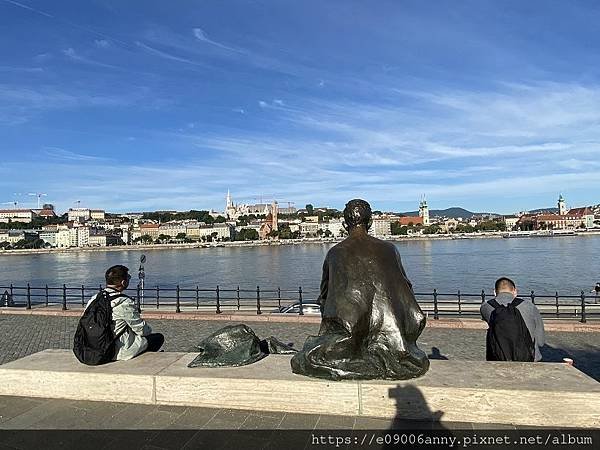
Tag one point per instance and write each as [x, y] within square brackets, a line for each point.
[141, 276]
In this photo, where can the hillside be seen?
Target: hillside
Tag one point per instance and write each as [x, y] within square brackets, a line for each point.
[453, 212]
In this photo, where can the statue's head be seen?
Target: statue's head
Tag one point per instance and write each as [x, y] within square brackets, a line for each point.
[357, 213]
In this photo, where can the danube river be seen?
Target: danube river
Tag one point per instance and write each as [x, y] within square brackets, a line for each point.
[563, 264]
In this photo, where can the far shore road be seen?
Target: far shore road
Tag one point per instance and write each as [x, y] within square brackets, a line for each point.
[134, 247]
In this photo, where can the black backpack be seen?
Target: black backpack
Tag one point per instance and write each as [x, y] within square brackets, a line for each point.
[508, 338]
[94, 341]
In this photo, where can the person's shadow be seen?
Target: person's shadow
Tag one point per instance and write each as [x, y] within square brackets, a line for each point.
[435, 354]
[412, 412]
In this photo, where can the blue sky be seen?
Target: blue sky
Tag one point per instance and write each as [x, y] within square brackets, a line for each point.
[143, 105]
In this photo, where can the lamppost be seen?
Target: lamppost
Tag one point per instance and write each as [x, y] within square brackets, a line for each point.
[141, 276]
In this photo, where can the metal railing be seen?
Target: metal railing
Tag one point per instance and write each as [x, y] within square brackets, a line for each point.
[259, 300]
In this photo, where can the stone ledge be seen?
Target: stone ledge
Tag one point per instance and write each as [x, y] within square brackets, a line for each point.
[536, 394]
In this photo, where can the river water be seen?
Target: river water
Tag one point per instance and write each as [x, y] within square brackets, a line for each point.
[564, 264]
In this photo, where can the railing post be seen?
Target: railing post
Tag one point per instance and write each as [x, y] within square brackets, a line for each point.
[47, 296]
[300, 307]
[258, 311]
[137, 299]
[238, 298]
[583, 320]
[532, 297]
[218, 300]
[459, 304]
[483, 296]
[197, 297]
[11, 293]
[177, 306]
[28, 296]
[157, 297]
[82, 295]
[279, 297]
[64, 305]
[557, 307]
[435, 305]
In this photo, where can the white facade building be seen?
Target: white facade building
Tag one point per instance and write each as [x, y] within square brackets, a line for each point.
[16, 215]
[381, 227]
[335, 226]
[49, 237]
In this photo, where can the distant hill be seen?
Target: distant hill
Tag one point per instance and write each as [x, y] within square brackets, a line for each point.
[454, 213]
[544, 210]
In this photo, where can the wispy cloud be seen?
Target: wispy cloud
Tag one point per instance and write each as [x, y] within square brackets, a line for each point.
[37, 11]
[21, 69]
[102, 43]
[166, 55]
[73, 55]
[59, 153]
[201, 36]
[42, 57]
[19, 104]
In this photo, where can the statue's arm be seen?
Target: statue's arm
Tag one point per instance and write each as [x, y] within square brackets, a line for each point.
[399, 261]
[324, 285]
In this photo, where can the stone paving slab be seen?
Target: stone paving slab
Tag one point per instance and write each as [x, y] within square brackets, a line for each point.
[537, 394]
[21, 335]
[79, 414]
[470, 323]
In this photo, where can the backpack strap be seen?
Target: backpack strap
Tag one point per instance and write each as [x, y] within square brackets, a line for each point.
[493, 303]
[517, 301]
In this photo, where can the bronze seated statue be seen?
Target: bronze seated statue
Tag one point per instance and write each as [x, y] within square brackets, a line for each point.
[370, 317]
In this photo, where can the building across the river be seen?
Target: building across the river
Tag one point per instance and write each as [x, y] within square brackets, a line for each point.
[565, 219]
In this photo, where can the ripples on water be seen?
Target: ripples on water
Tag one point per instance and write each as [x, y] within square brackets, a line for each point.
[564, 264]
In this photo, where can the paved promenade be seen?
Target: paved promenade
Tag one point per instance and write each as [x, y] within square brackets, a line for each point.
[22, 335]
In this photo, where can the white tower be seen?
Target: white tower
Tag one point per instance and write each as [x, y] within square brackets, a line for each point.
[228, 200]
[274, 212]
[424, 212]
[562, 208]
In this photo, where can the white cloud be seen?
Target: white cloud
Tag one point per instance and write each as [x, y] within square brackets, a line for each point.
[167, 55]
[73, 55]
[59, 153]
[201, 36]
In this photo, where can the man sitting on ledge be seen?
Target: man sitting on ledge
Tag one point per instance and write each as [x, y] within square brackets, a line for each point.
[135, 335]
[370, 318]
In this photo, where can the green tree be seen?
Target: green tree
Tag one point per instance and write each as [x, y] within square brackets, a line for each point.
[181, 236]
[163, 239]
[463, 228]
[432, 229]
[247, 234]
[285, 232]
[310, 209]
[328, 233]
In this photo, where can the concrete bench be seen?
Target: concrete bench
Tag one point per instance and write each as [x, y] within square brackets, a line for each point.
[537, 394]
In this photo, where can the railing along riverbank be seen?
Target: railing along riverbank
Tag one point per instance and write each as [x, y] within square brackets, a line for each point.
[435, 304]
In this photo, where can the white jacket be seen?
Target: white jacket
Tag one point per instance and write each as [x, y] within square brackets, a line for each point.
[132, 342]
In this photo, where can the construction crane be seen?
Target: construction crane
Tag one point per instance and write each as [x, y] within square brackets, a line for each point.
[39, 195]
[14, 203]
